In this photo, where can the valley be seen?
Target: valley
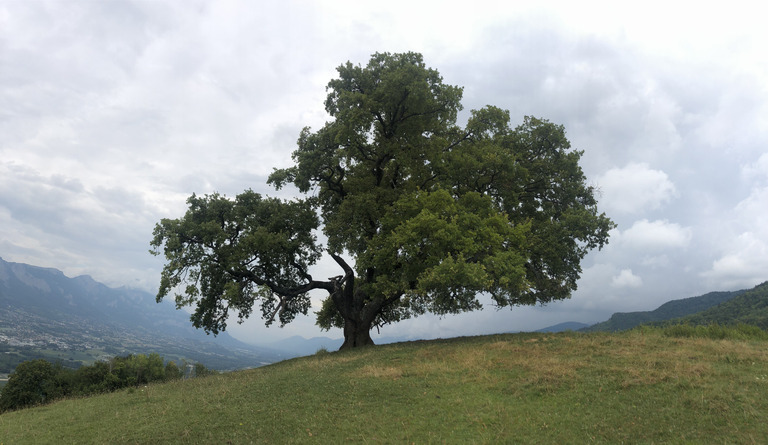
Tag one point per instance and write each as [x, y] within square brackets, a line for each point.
[77, 321]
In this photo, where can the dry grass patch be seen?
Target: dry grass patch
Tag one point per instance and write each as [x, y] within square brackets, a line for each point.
[379, 372]
[325, 359]
[540, 366]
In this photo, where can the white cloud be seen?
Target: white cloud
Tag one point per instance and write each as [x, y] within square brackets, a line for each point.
[656, 235]
[635, 188]
[744, 264]
[626, 278]
[756, 171]
[742, 237]
[656, 261]
[743, 256]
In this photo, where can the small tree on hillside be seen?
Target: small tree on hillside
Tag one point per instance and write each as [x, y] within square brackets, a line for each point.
[31, 383]
[431, 213]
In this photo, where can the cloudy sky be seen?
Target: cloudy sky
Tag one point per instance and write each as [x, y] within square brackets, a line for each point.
[113, 112]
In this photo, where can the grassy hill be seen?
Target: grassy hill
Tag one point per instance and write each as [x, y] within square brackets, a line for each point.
[636, 386]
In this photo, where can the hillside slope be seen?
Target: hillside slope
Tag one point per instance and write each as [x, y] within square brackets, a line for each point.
[621, 321]
[631, 387]
[77, 320]
[749, 307]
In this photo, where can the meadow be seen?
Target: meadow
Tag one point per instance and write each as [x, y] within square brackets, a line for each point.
[648, 385]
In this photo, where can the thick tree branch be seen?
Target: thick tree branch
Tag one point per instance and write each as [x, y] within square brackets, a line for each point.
[340, 261]
[288, 292]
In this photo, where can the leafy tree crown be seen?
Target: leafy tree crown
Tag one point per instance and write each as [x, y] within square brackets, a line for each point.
[432, 213]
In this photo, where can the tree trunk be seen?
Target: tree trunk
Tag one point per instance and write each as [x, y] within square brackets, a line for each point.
[356, 334]
[351, 304]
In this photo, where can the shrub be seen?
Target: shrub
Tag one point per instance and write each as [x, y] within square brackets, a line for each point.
[28, 385]
[202, 371]
[172, 372]
[35, 382]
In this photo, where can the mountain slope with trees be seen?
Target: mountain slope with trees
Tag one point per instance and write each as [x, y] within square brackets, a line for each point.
[46, 314]
[747, 307]
[621, 321]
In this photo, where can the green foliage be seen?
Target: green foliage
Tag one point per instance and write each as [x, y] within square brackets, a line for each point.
[138, 369]
[32, 383]
[172, 371]
[231, 253]
[202, 371]
[439, 252]
[95, 378]
[431, 213]
[39, 381]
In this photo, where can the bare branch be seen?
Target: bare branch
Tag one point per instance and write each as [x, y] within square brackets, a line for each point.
[275, 312]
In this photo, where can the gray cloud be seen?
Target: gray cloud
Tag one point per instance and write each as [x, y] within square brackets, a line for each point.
[113, 113]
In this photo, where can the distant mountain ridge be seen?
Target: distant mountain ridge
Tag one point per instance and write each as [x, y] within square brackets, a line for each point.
[562, 327]
[748, 306]
[45, 310]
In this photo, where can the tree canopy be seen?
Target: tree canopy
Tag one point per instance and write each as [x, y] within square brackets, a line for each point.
[433, 214]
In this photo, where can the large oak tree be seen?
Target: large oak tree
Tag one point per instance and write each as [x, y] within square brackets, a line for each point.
[433, 214]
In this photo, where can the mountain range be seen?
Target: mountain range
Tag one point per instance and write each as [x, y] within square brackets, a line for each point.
[748, 306]
[77, 320]
[567, 326]
[45, 314]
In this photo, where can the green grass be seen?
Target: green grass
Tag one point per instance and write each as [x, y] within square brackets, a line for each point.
[641, 386]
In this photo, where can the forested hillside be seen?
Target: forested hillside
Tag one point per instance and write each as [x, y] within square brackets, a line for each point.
[748, 307]
[673, 309]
